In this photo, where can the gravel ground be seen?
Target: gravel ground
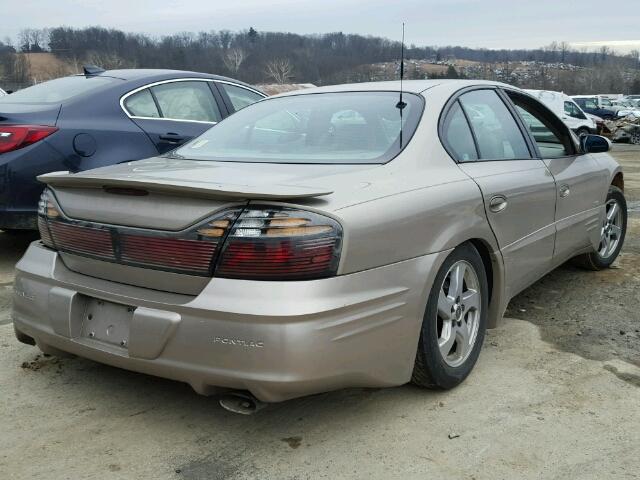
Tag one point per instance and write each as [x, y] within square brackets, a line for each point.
[553, 396]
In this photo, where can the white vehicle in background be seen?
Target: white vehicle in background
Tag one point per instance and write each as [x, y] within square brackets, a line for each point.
[565, 108]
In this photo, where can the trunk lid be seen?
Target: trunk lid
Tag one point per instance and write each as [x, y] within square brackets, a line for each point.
[29, 113]
[172, 194]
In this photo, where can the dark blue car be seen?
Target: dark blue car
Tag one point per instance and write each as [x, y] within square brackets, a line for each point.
[102, 118]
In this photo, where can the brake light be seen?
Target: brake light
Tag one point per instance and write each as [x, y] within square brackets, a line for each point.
[192, 251]
[13, 137]
[257, 243]
[280, 244]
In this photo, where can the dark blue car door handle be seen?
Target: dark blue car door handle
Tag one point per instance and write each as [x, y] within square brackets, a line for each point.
[172, 137]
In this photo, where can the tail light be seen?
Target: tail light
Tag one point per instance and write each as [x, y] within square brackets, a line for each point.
[254, 244]
[281, 244]
[13, 137]
[191, 251]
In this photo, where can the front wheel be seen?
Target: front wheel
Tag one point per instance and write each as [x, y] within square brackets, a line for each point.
[613, 229]
[454, 322]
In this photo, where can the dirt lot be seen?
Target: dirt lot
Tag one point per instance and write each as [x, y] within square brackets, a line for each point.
[555, 395]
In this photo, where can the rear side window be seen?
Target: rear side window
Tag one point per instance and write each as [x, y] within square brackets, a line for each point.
[496, 131]
[457, 135]
[59, 90]
[240, 97]
[187, 101]
[141, 104]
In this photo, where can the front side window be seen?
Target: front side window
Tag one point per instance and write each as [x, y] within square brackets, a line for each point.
[60, 89]
[496, 131]
[190, 100]
[550, 134]
[240, 97]
[573, 110]
[457, 135]
[342, 128]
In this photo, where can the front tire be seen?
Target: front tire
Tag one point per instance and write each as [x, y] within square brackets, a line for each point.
[454, 323]
[612, 233]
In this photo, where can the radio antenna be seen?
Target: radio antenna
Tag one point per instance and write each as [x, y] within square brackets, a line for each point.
[401, 104]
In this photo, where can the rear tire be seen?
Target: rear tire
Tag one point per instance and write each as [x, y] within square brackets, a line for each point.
[454, 322]
[612, 234]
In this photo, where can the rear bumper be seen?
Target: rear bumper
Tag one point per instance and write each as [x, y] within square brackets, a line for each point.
[278, 340]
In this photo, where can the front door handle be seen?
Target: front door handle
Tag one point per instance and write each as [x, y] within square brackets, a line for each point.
[172, 137]
[497, 203]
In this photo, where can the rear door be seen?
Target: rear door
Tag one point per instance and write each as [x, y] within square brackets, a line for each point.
[175, 111]
[518, 190]
[580, 180]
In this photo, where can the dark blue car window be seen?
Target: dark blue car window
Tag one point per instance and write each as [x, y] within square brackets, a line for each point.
[141, 104]
[58, 90]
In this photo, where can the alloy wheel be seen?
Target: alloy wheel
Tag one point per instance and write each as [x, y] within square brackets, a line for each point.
[458, 317]
[611, 231]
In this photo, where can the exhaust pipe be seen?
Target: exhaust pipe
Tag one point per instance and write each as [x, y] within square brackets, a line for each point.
[241, 402]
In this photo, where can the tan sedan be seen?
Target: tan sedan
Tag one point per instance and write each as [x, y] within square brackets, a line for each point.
[336, 237]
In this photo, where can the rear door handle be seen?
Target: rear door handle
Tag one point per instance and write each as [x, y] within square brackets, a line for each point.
[497, 203]
[172, 137]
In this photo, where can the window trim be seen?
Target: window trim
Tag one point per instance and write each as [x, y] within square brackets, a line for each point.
[124, 97]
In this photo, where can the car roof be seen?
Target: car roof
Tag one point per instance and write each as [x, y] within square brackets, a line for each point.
[156, 75]
[411, 86]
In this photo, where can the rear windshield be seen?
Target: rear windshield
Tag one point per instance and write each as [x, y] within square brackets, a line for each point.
[58, 90]
[345, 127]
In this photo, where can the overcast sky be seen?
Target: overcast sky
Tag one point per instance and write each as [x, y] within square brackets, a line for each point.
[474, 23]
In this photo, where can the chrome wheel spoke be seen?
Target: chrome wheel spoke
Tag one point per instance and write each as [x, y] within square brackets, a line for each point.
[611, 214]
[456, 283]
[447, 338]
[445, 305]
[471, 300]
[464, 338]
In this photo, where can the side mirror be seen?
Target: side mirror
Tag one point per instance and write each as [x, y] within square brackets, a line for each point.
[594, 144]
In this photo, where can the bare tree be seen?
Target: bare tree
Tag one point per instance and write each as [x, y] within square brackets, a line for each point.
[233, 58]
[280, 69]
[108, 61]
[21, 69]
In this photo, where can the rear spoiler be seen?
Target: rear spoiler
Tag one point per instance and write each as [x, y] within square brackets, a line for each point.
[200, 189]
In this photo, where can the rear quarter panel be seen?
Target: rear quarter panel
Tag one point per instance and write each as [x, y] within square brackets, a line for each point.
[110, 135]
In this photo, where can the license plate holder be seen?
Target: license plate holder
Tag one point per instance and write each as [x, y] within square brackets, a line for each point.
[107, 322]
